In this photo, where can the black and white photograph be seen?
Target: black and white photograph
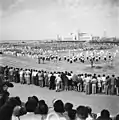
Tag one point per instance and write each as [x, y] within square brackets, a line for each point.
[59, 59]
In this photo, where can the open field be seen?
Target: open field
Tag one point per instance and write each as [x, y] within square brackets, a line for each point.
[78, 67]
[97, 102]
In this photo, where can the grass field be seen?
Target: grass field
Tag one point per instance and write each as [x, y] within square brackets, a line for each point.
[97, 102]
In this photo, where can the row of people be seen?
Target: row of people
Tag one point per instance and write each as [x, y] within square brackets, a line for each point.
[59, 81]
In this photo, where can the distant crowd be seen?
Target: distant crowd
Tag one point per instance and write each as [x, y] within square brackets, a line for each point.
[54, 46]
[13, 108]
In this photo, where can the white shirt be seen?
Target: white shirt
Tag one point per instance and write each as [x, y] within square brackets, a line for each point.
[89, 118]
[69, 77]
[34, 73]
[21, 73]
[87, 79]
[58, 79]
[27, 73]
[103, 79]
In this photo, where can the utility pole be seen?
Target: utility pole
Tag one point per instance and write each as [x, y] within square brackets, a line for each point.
[104, 34]
[58, 38]
[78, 33]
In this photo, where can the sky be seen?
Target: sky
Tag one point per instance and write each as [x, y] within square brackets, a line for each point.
[45, 19]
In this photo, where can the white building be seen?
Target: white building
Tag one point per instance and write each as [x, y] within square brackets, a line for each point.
[85, 37]
[77, 37]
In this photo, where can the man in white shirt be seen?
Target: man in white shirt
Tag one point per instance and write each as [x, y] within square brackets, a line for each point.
[34, 73]
[103, 82]
[27, 77]
[99, 78]
[87, 80]
[21, 73]
[94, 81]
[58, 82]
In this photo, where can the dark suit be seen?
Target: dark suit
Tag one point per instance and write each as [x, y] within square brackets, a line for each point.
[52, 82]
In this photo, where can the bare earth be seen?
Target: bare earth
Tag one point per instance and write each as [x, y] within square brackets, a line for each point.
[97, 102]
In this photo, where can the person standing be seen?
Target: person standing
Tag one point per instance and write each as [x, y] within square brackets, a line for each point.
[11, 74]
[103, 82]
[99, 79]
[21, 73]
[88, 85]
[39, 59]
[27, 76]
[58, 81]
[113, 81]
[117, 86]
[94, 82]
[65, 80]
[107, 85]
[69, 81]
[43, 59]
[80, 84]
[6, 72]
[1, 75]
[34, 73]
[43, 82]
[91, 61]
[75, 80]
[16, 75]
[40, 78]
[52, 82]
[4, 94]
[46, 78]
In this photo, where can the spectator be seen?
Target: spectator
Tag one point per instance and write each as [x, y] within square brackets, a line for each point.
[105, 115]
[91, 116]
[41, 102]
[72, 114]
[68, 106]
[42, 110]
[117, 117]
[113, 80]
[59, 107]
[7, 109]
[117, 86]
[58, 81]
[1, 74]
[82, 113]
[31, 104]
[52, 82]
[4, 93]
[35, 98]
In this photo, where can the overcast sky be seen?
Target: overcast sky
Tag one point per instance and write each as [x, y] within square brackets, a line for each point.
[43, 19]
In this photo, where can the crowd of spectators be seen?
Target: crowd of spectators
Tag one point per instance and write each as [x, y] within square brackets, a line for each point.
[13, 108]
[68, 81]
